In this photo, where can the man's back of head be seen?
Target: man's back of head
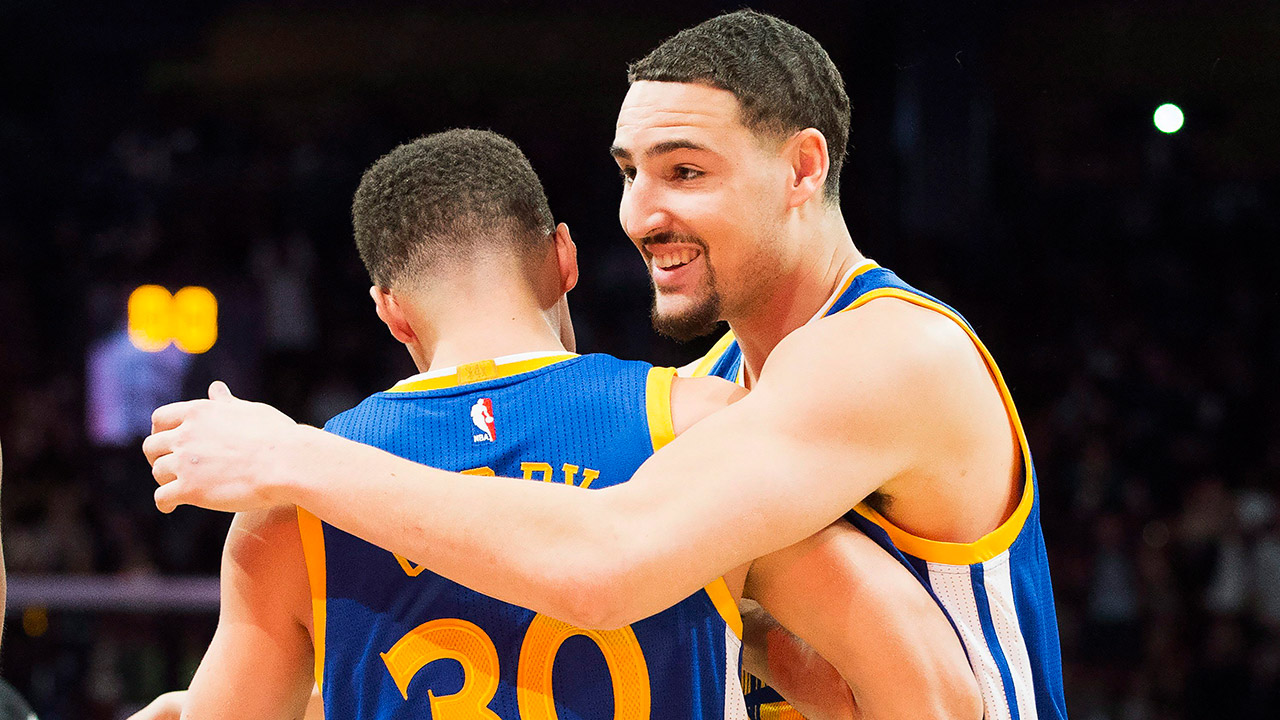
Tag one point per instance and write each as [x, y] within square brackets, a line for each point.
[444, 202]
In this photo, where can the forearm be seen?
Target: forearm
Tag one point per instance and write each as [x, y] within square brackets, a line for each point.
[862, 611]
[784, 662]
[597, 558]
[559, 550]
[710, 501]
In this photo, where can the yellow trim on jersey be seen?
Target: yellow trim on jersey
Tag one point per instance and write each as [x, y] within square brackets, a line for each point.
[998, 540]
[662, 431]
[779, 711]
[657, 402]
[720, 596]
[704, 365]
[313, 552]
[859, 269]
[479, 372]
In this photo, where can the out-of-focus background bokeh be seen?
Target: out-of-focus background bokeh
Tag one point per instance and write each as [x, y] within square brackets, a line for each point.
[1004, 158]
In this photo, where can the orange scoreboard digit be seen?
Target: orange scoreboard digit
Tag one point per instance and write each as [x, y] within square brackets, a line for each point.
[187, 319]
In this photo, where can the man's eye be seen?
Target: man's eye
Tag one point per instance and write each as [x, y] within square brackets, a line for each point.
[687, 173]
[628, 174]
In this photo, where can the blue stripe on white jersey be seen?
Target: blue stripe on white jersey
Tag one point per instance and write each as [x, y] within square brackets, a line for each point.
[394, 640]
[996, 591]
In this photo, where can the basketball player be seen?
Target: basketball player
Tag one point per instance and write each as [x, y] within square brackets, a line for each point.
[870, 400]
[468, 265]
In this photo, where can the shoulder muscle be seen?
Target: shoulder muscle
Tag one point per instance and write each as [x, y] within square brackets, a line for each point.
[693, 399]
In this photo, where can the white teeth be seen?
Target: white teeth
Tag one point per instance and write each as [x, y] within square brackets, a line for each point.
[671, 257]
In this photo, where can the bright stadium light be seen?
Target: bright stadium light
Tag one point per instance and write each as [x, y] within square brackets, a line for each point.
[1168, 118]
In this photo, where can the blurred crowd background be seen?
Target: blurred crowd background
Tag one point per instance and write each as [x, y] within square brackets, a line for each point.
[1003, 159]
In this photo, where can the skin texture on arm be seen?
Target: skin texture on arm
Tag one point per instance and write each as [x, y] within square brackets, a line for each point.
[805, 679]
[810, 442]
[260, 662]
[862, 611]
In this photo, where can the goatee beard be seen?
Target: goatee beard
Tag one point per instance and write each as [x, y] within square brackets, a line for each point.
[703, 317]
[700, 320]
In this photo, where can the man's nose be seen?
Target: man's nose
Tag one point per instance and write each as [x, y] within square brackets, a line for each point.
[642, 212]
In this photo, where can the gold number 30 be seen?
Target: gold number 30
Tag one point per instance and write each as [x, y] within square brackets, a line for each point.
[471, 647]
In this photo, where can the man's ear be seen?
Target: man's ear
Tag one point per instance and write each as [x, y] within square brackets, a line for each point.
[810, 162]
[566, 257]
[390, 312]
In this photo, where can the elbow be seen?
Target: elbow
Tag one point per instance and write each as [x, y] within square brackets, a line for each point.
[608, 587]
[600, 584]
[593, 600]
[594, 605]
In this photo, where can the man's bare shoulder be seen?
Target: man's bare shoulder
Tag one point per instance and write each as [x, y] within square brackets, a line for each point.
[264, 556]
[886, 344]
[693, 399]
[270, 530]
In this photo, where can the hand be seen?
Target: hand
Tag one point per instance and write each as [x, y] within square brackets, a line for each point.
[166, 707]
[218, 453]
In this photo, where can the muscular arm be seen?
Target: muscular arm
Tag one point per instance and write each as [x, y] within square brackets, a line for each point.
[863, 612]
[807, 444]
[260, 661]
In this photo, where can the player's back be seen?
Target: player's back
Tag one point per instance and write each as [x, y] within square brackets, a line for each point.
[394, 640]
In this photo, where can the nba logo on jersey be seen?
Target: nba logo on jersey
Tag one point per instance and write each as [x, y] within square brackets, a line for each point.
[482, 416]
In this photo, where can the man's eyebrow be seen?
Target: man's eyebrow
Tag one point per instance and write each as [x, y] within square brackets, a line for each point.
[662, 148]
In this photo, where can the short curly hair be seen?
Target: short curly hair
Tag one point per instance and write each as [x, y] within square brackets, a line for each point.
[447, 197]
[784, 81]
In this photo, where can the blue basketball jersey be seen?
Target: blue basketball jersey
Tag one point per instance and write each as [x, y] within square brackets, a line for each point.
[996, 590]
[394, 640]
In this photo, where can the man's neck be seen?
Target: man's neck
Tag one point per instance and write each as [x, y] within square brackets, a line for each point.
[486, 335]
[793, 300]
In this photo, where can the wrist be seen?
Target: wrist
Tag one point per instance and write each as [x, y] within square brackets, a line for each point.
[284, 481]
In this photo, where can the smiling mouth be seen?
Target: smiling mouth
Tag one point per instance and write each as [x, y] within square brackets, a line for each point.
[671, 257]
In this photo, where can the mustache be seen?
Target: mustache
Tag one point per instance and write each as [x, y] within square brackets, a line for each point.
[671, 238]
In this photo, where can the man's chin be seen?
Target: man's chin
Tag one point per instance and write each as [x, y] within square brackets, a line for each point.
[688, 323]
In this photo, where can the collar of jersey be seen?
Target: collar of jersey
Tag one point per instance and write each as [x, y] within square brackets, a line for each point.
[845, 283]
[501, 367]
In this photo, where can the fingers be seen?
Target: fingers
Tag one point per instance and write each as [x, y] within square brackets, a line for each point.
[218, 390]
[169, 496]
[165, 469]
[167, 417]
[159, 444]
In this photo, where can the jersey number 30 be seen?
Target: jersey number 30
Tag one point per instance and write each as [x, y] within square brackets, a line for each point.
[465, 642]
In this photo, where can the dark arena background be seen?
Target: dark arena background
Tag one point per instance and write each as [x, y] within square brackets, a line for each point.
[1005, 157]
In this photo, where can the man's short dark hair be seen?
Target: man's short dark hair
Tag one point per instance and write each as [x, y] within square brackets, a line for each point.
[448, 197]
[783, 79]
